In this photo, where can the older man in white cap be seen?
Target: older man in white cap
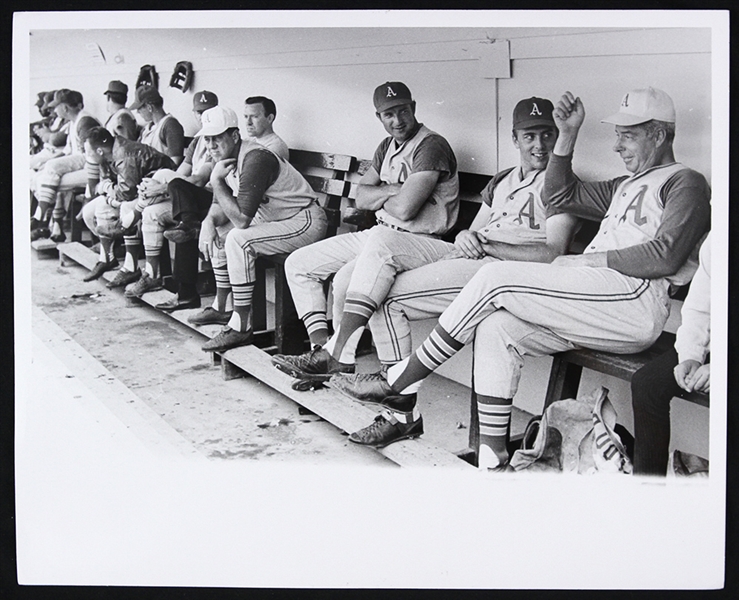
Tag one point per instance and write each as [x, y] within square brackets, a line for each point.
[261, 206]
[613, 297]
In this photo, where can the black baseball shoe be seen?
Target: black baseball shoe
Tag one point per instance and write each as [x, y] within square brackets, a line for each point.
[142, 286]
[210, 316]
[316, 364]
[227, 339]
[391, 425]
[123, 278]
[183, 232]
[40, 233]
[100, 268]
[59, 237]
[371, 388]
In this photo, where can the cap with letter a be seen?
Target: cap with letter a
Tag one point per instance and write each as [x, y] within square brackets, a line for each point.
[216, 120]
[640, 106]
[204, 100]
[391, 94]
[533, 112]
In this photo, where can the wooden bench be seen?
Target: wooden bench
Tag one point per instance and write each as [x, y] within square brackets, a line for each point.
[564, 377]
[335, 178]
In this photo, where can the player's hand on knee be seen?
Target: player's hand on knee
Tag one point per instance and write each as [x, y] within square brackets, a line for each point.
[684, 373]
[569, 114]
[208, 235]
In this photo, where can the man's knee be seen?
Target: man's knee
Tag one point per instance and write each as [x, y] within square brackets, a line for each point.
[295, 264]
[177, 186]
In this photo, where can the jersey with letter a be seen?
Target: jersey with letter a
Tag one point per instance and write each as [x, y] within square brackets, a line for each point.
[635, 214]
[439, 213]
[286, 197]
[518, 213]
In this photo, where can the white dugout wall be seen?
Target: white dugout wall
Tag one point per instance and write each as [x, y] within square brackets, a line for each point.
[465, 80]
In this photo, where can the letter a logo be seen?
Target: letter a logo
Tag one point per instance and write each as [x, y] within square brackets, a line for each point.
[390, 92]
[625, 101]
[203, 98]
[535, 110]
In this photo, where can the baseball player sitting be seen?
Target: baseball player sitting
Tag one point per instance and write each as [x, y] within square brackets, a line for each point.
[155, 205]
[413, 186]
[121, 120]
[124, 164]
[67, 171]
[261, 206]
[260, 114]
[513, 223]
[162, 131]
[613, 297]
[683, 369]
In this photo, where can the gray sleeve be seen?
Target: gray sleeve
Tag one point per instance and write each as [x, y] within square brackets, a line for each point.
[686, 217]
[564, 191]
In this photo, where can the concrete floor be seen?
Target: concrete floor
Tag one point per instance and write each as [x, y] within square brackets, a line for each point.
[160, 362]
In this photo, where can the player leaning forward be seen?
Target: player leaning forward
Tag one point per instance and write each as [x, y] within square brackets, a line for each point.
[613, 297]
[261, 206]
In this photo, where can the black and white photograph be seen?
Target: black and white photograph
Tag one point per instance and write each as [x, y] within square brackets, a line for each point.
[371, 299]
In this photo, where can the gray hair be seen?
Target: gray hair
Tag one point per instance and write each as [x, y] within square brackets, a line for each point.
[651, 128]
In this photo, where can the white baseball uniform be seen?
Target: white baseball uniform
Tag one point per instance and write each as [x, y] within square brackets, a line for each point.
[392, 246]
[652, 223]
[517, 215]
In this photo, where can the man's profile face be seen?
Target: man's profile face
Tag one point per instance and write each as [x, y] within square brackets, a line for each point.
[399, 121]
[535, 145]
[257, 121]
[92, 155]
[636, 148]
[220, 146]
[145, 112]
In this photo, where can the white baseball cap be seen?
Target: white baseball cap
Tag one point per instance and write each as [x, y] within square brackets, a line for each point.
[640, 106]
[216, 120]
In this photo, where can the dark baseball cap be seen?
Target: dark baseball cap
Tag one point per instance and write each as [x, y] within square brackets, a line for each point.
[48, 99]
[390, 94]
[144, 94]
[65, 96]
[533, 112]
[116, 87]
[204, 100]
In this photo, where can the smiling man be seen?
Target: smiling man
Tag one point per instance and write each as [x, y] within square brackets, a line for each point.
[513, 223]
[413, 187]
[613, 297]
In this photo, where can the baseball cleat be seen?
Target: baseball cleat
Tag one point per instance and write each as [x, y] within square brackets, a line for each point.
[210, 316]
[59, 237]
[142, 286]
[123, 277]
[372, 388]
[40, 233]
[316, 364]
[227, 339]
[388, 428]
[100, 268]
[181, 234]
